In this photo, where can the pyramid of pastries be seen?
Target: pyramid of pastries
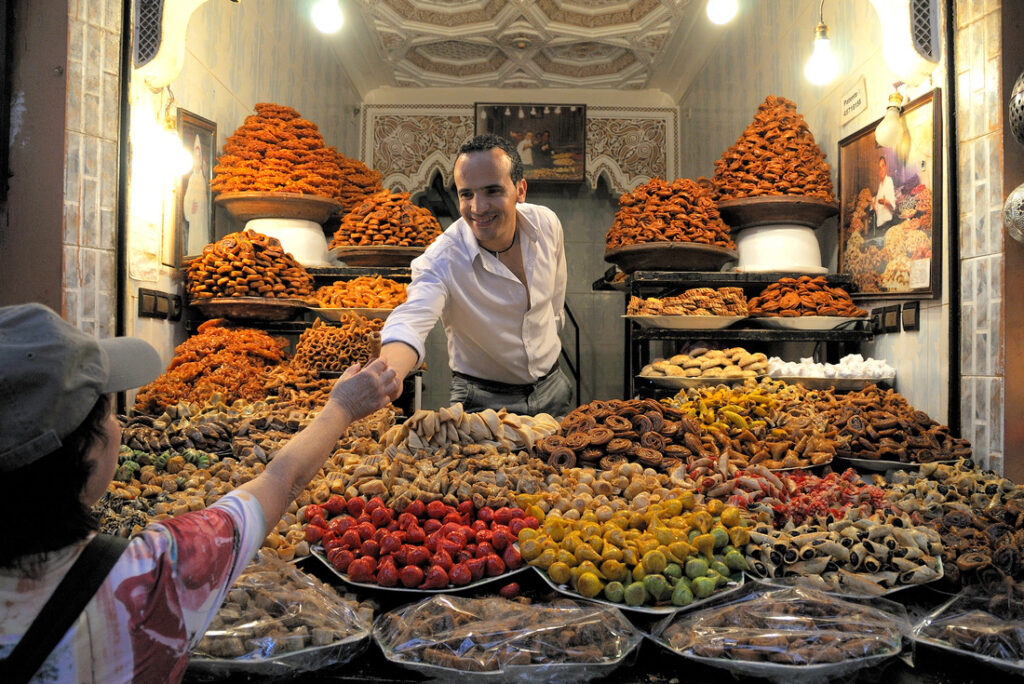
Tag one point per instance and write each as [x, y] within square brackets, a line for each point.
[276, 150]
[681, 211]
[358, 181]
[776, 155]
[247, 264]
[387, 218]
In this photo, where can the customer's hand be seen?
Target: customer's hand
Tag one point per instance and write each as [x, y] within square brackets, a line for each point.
[360, 392]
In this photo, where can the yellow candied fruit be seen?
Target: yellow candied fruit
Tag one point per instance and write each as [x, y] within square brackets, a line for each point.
[715, 506]
[529, 549]
[535, 511]
[559, 572]
[544, 560]
[654, 562]
[730, 516]
[589, 585]
[672, 507]
[563, 556]
[611, 552]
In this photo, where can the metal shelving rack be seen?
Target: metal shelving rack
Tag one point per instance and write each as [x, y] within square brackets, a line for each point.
[667, 283]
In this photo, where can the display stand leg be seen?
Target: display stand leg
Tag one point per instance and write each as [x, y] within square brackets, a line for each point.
[417, 393]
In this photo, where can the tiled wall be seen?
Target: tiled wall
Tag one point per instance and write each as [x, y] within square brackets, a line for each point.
[90, 180]
[764, 54]
[980, 122]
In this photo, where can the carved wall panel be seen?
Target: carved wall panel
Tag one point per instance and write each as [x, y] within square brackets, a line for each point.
[409, 143]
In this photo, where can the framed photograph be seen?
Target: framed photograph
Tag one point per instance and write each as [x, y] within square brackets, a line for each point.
[890, 215]
[551, 138]
[194, 228]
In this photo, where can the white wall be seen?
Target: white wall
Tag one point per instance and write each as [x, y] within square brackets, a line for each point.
[236, 55]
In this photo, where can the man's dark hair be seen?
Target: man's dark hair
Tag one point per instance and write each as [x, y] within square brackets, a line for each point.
[482, 143]
[42, 501]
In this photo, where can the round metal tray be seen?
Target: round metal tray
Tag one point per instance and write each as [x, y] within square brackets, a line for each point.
[377, 255]
[250, 308]
[246, 206]
[679, 322]
[670, 256]
[747, 212]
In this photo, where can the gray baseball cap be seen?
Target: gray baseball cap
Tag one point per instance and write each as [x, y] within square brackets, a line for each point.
[52, 374]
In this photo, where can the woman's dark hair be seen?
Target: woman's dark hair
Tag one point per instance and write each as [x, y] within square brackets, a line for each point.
[42, 502]
[482, 143]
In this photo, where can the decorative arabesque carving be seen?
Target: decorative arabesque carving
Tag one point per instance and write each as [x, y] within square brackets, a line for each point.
[409, 143]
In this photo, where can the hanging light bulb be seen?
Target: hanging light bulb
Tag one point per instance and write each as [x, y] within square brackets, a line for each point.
[327, 16]
[823, 66]
[533, 111]
[721, 11]
[890, 130]
[558, 110]
[508, 112]
[521, 114]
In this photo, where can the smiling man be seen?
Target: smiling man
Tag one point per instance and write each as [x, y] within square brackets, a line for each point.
[496, 278]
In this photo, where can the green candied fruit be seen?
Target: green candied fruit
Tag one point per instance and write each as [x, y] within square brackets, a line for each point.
[658, 587]
[721, 568]
[735, 561]
[635, 594]
[614, 592]
[703, 587]
[696, 567]
[681, 595]
[672, 571]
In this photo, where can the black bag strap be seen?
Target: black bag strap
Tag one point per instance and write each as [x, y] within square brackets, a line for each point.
[65, 605]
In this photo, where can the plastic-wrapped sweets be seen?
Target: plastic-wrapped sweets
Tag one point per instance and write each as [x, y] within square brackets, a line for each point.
[277, 619]
[789, 635]
[976, 623]
[850, 366]
[495, 639]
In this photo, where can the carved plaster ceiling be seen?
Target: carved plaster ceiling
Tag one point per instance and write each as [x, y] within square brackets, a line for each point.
[525, 43]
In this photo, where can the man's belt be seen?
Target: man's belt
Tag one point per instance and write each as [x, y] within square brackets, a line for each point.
[505, 388]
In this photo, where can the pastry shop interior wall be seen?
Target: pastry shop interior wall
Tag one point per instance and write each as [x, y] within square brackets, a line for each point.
[266, 51]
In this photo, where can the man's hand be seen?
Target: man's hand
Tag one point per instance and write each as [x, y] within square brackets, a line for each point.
[360, 392]
[402, 358]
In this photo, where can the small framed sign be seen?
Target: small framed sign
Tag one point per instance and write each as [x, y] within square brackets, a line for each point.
[194, 220]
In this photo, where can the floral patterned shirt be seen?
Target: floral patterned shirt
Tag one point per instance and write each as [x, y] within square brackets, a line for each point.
[153, 607]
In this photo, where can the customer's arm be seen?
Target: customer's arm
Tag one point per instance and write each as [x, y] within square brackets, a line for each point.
[355, 394]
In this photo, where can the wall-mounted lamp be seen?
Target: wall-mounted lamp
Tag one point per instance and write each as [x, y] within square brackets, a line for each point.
[722, 11]
[159, 41]
[910, 37]
[327, 16]
[823, 66]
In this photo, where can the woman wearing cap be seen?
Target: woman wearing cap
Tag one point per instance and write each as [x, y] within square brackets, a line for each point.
[58, 452]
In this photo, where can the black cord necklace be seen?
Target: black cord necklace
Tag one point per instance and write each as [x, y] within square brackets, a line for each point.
[515, 234]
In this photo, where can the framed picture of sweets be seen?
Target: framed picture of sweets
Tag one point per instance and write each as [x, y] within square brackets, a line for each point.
[890, 214]
[550, 138]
